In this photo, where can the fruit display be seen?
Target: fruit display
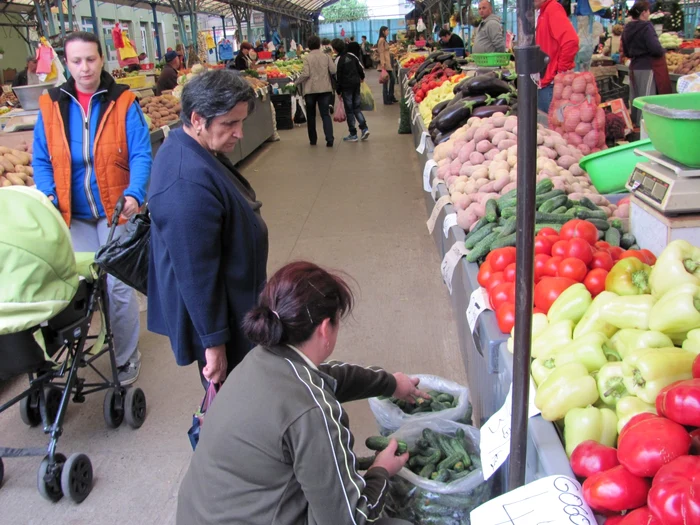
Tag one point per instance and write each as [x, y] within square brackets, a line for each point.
[290, 68]
[161, 110]
[273, 72]
[15, 168]
[255, 83]
[412, 59]
[674, 61]
[670, 40]
[691, 44]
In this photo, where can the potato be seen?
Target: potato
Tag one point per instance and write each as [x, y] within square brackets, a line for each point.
[498, 137]
[508, 187]
[508, 144]
[6, 164]
[29, 181]
[480, 183]
[15, 179]
[465, 219]
[458, 187]
[476, 158]
[566, 161]
[499, 121]
[512, 160]
[481, 172]
[4, 150]
[6, 183]
[576, 170]
[491, 154]
[488, 188]
[482, 133]
[24, 159]
[470, 187]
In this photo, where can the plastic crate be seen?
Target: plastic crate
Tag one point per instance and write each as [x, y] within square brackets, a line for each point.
[138, 81]
[491, 59]
[610, 89]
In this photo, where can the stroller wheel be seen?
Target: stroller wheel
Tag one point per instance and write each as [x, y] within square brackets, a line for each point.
[49, 480]
[135, 407]
[53, 398]
[76, 477]
[29, 410]
[113, 412]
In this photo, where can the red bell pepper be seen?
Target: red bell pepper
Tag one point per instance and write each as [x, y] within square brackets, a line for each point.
[648, 442]
[590, 457]
[615, 490]
[674, 498]
[696, 367]
[640, 516]
[680, 402]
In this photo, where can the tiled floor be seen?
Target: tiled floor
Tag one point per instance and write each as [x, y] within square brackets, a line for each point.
[357, 207]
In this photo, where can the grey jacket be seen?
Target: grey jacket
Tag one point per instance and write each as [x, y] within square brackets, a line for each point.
[489, 36]
[316, 74]
[276, 448]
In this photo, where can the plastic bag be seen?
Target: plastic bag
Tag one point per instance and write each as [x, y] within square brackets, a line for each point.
[198, 417]
[383, 77]
[421, 500]
[366, 98]
[339, 112]
[689, 83]
[126, 257]
[390, 418]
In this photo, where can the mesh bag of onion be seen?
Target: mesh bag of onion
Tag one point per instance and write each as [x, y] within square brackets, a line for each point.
[575, 113]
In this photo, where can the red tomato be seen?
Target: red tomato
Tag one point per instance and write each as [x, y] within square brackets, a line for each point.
[509, 273]
[602, 245]
[544, 232]
[651, 258]
[548, 289]
[560, 249]
[500, 258]
[587, 231]
[485, 273]
[536, 310]
[581, 249]
[502, 293]
[615, 252]
[551, 267]
[495, 279]
[543, 244]
[573, 268]
[567, 231]
[505, 315]
[540, 264]
[634, 253]
[602, 260]
[595, 281]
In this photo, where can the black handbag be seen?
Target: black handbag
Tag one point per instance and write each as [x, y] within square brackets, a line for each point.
[126, 258]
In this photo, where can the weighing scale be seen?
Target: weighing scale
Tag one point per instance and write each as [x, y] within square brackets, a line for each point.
[664, 184]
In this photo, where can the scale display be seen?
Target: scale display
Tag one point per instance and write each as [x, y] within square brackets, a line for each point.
[652, 187]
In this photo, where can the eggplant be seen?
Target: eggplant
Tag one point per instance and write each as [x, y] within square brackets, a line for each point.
[451, 63]
[451, 116]
[505, 100]
[485, 71]
[432, 126]
[434, 55]
[459, 96]
[444, 56]
[458, 88]
[486, 85]
[424, 65]
[489, 111]
[439, 107]
[461, 61]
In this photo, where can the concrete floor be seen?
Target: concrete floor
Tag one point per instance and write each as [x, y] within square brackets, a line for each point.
[356, 207]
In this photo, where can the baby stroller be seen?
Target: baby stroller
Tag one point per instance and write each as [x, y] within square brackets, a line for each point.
[48, 296]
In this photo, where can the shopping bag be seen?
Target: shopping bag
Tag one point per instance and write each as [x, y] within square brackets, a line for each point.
[383, 77]
[126, 258]
[339, 111]
[366, 98]
[198, 417]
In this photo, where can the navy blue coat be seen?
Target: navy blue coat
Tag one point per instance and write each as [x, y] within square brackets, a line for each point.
[208, 252]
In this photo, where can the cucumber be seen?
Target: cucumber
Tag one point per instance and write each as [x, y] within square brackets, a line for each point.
[483, 247]
[634, 247]
[380, 443]
[460, 475]
[541, 199]
[617, 223]
[491, 210]
[450, 461]
[601, 235]
[554, 226]
[561, 210]
[627, 240]
[480, 224]
[600, 224]
[443, 476]
[612, 237]
[588, 203]
[427, 471]
[437, 406]
[507, 203]
[585, 213]
[509, 227]
[553, 203]
[544, 186]
[478, 236]
[445, 398]
[459, 467]
[423, 460]
[510, 195]
[503, 241]
[507, 213]
[431, 438]
[550, 217]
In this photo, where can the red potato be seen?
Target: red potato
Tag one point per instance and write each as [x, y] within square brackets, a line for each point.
[588, 112]
[494, 132]
[480, 183]
[591, 90]
[456, 147]
[443, 172]
[578, 84]
[467, 149]
[501, 182]
[499, 136]
[476, 158]
[491, 154]
[562, 150]
[465, 219]
[544, 151]
[507, 144]
[566, 162]
[583, 128]
[574, 139]
[482, 133]
[511, 124]
[508, 187]
[469, 135]
[488, 188]
[577, 98]
[566, 93]
[584, 149]
[483, 146]
[455, 166]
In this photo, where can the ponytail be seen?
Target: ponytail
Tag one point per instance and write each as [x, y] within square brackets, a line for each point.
[263, 327]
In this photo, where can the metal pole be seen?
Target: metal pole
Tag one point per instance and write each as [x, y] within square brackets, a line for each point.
[527, 59]
[61, 20]
[223, 26]
[40, 17]
[155, 24]
[216, 48]
[70, 15]
[93, 15]
[49, 18]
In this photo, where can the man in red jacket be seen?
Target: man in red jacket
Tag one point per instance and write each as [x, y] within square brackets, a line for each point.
[558, 39]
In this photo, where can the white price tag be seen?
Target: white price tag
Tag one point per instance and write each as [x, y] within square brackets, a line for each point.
[450, 261]
[450, 220]
[429, 165]
[439, 205]
[421, 147]
[434, 189]
[478, 302]
[554, 499]
[416, 116]
[495, 433]
[166, 131]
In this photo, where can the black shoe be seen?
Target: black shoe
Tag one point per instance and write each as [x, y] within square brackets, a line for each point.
[312, 143]
[388, 103]
[329, 144]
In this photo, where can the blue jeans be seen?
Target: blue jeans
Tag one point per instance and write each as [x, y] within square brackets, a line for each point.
[351, 100]
[544, 98]
[324, 101]
[388, 90]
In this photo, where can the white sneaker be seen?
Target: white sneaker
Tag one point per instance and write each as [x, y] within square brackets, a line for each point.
[129, 372]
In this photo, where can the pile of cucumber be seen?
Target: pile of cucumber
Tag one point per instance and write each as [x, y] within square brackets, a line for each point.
[615, 236]
[434, 456]
[438, 401]
[496, 229]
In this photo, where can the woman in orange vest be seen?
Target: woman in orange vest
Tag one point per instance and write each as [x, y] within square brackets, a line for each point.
[91, 146]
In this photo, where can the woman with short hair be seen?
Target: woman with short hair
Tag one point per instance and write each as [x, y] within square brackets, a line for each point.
[276, 446]
[243, 59]
[209, 243]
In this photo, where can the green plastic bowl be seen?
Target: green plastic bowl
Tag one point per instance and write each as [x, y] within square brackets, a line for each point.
[673, 125]
[610, 169]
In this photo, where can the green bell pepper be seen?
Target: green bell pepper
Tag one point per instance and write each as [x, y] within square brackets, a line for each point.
[677, 311]
[629, 276]
[628, 407]
[539, 325]
[648, 370]
[611, 386]
[630, 311]
[568, 386]
[587, 350]
[540, 371]
[629, 339]
[593, 320]
[582, 424]
[692, 342]
[554, 337]
[570, 305]
[678, 264]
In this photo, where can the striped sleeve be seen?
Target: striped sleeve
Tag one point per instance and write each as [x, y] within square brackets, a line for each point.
[324, 463]
[358, 382]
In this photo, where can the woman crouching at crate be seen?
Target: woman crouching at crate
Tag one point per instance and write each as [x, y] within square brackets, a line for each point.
[287, 457]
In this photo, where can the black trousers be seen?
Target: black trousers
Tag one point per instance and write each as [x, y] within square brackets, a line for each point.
[324, 101]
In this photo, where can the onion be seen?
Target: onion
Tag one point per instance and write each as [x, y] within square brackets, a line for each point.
[568, 79]
[583, 128]
[600, 119]
[574, 139]
[572, 117]
[558, 90]
[588, 112]
[591, 139]
[577, 98]
[584, 149]
[566, 94]
[591, 90]
[579, 84]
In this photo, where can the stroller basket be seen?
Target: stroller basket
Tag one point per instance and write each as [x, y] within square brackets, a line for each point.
[19, 354]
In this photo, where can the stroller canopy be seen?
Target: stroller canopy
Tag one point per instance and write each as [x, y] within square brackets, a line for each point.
[38, 275]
